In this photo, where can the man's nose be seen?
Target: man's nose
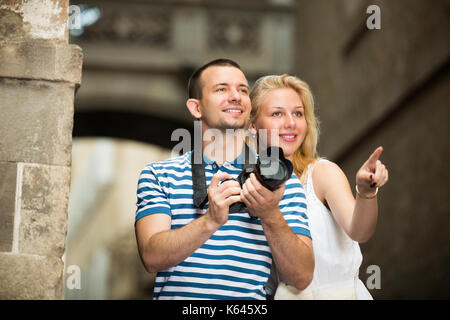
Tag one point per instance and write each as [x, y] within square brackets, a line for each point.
[234, 96]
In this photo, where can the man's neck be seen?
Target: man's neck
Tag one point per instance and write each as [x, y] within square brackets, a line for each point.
[225, 146]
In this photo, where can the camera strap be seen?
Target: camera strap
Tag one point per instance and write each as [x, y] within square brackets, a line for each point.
[199, 176]
[199, 179]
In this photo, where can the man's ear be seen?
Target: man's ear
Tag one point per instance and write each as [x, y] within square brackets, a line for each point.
[193, 106]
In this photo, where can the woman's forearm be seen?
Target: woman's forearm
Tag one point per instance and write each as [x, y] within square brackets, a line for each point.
[364, 219]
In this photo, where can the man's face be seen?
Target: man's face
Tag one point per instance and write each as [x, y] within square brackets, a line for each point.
[225, 102]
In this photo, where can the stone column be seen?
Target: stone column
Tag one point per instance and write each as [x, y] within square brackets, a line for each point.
[39, 72]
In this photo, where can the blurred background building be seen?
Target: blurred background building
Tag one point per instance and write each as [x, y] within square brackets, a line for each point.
[387, 86]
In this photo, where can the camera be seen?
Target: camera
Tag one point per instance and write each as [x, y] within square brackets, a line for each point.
[272, 169]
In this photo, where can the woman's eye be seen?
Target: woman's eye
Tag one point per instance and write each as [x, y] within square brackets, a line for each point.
[276, 114]
[298, 114]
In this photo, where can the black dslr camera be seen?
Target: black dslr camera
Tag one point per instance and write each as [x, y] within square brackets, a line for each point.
[272, 169]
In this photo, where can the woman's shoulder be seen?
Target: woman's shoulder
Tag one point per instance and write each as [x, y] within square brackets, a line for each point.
[325, 172]
[324, 166]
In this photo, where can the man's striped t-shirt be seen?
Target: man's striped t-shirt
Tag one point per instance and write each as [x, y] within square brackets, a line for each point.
[235, 262]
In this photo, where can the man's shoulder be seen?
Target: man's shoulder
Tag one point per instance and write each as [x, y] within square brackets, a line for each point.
[175, 165]
[294, 182]
[178, 161]
[293, 188]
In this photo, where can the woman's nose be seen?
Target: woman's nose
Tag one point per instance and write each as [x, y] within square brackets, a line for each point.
[289, 121]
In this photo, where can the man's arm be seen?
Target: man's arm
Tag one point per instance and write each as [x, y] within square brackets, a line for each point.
[161, 248]
[293, 254]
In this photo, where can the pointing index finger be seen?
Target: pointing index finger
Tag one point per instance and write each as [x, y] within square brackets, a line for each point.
[372, 161]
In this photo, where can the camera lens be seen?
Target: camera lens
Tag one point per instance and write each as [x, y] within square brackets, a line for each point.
[272, 169]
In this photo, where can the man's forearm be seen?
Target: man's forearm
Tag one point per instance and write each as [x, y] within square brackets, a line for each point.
[170, 247]
[293, 255]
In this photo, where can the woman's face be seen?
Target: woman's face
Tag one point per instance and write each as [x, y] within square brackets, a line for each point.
[283, 115]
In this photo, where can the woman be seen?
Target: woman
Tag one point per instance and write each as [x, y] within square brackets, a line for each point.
[284, 106]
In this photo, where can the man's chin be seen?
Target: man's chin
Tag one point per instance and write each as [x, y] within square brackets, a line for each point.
[233, 125]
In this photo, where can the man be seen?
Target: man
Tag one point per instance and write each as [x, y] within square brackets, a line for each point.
[208, 253]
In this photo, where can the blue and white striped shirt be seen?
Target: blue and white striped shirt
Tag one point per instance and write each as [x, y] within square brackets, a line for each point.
[235, 262]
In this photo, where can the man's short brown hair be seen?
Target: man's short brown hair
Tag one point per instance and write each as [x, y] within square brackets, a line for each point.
[194, 85]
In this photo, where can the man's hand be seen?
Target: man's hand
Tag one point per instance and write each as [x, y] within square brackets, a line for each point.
[260, 201]
[222, 196]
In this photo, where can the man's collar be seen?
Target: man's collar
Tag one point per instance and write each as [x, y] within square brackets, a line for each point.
[247, 156]
[246, 153]
[246, 160]
[207, 160]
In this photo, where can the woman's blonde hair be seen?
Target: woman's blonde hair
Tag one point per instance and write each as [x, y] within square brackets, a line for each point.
[307, 152]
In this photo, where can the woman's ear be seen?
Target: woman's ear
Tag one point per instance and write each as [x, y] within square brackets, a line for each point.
[252, 140]
[252, 129]
[193, 106]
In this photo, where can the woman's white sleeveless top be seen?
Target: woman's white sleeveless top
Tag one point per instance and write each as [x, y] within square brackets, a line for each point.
[337, 256]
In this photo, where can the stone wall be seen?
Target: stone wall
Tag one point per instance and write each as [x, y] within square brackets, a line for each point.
[388, 87]
[39, 72]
